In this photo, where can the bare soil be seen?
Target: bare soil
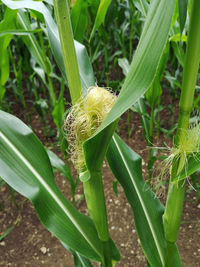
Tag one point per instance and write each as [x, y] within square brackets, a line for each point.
[30, 244]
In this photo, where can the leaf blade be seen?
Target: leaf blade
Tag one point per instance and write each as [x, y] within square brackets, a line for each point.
[79, 19]
[136, 191]
[145, 60]
[147, 209]
[101, 13]
[26, 167]
[85, 67]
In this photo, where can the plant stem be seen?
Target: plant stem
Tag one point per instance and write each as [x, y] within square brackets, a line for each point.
[94, 195]
[176, 193]
[67, 44]
[107, 254]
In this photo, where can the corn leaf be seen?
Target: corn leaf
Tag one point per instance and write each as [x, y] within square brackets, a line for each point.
[142, 72]
[192, 165]
[95, 150]
[79, 19]
[146, 58]
[126, 165]
[154, 93]
[58, 164]
[25, 166]
[32, 43]
[18, 32]
[101, 13]
[85, 67]
[142, 6]
[7, 232]
[80, 261]
[7, 23]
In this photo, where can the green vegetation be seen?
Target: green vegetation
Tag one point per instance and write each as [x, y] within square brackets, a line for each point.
[54, 54]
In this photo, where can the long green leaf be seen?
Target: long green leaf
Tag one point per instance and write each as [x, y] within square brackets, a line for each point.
[146, 58]
[25, 166]
[143, 68]
[18, 32]
[141, 74]
[101, 13]
[85, 68]
[32, 43]
[147, 209]
[7, 23]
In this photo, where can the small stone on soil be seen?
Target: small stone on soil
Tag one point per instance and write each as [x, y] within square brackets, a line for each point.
[43, 250]
[3, 243]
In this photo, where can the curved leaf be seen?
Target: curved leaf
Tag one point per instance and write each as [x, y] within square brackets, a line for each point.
[32, 43]
[146, 58]
[85, 67]
[25, 166]
[147, 209]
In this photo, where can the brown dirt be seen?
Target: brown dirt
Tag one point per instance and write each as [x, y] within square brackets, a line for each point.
[30, 244]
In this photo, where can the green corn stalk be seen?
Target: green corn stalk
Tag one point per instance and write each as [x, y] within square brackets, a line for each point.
[93, 188]
[175, 198]
[68, 49]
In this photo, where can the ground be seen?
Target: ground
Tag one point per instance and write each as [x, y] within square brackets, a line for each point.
[30, 244]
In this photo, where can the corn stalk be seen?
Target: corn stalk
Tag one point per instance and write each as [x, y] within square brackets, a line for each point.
[176, 193]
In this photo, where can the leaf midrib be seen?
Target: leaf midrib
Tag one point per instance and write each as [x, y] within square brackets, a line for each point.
[40, 179]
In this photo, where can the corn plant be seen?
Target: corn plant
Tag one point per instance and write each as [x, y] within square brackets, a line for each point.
[90, 125]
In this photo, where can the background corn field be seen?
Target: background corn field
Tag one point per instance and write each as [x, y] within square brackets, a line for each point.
[147, 53]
